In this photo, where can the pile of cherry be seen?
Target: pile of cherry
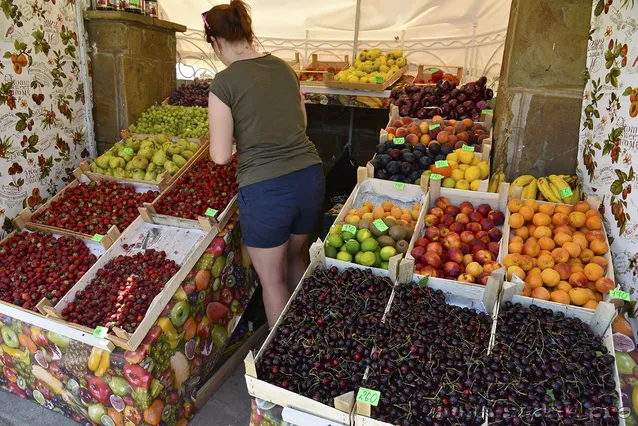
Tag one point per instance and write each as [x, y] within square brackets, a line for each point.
[324, 342]
[35, 265]
[122, 291]
[205, 185]
[92, 208]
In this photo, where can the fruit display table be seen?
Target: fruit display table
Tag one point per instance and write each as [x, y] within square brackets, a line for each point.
[341, 97]
[80, 373]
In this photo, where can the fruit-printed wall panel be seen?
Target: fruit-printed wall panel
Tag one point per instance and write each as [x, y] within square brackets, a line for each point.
[42, 126]
[608, 159]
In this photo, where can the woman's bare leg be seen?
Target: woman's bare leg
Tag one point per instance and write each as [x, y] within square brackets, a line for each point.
[296, 264]
[271, 266]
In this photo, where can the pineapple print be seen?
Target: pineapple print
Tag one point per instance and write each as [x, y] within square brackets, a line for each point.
[75, 360]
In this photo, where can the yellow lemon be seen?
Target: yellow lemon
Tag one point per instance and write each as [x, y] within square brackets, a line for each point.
[462, 184]
[474, 186]
[453, 164]
[472, 174]
[452, 157]
[458, 174]
[448, 183]
[466, 157]
[353, 79]
[484, 167]
[464, 167]
[475, 160]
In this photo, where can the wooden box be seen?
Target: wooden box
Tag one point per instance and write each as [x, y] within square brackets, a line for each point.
[372, 87]
[315, 77]
[425, 72]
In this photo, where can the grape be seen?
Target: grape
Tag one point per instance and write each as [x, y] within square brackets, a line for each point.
[172, 120]
[193, 94]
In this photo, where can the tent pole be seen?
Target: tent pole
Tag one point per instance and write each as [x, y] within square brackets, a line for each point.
[356, 31]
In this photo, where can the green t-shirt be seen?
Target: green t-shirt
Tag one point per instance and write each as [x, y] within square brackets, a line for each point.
[263, 95]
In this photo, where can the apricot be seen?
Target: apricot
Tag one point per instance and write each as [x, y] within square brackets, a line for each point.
[515, 270]
[545, 262]
[564, 270]
[581, 206]
[550, 277]
[577, 219]
[592, 213]
[590, 304]
[546, 243]
[527, 262]
[387, 206]
[541, 293]
[562, 238]
[547, 208]
[600, 261]
[560, 219]
[578, 279]
[560, 255]
[580, 240]
[531, 248]
[594, 235]
[532, 203]
[534, 271]
[527, 212]
[604, 285]
[516, 239]
[593, 271]
[515, 247]
[560, 296]
[579, 296]
[511, 260]
[542, 231]
[514, 205]
[406, 217]
[531, 229]
[563, 286]
[522, 232]
[599, 247]
[586, 256]
[572, 248]
[396, 212]
[534, 281]
[541, 219]
[593, 223]
[516, 220]
[527, 291]
[378, 212]
[563, 229]
[564, 209]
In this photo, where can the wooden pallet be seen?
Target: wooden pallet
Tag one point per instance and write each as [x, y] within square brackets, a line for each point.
[372, 87]
[316, 63]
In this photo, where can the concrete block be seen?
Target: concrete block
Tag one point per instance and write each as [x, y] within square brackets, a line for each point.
[144, 83]
[105, 84]
[158, 45]
[109, 36]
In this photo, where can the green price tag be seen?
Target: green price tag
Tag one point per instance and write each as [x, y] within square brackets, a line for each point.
[129, 151]
[398, 141]
[309, 79]
[487, 111]
[97, 238]
[619, 294]
[434, 126]
[369, 396]
[100, 332]
[380, 225]
[379, 79]
[436, 176]
[210, 212]
[565, 192]
[433, 70]
[469, 148]
[441, 163]
[349, 228]
[399, 185]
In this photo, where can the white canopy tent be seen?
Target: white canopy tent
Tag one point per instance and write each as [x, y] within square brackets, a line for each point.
[467, 33]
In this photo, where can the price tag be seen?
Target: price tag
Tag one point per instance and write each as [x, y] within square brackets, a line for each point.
[210, 212]
[469, 148]
[399, 185]
[309, 79]
[97, 238]
[487, 111]
[441, 163]
[379, 79]
[100, 332]
[349, 228]
[433, 70]
[380, 225]
[565, 192]
[399, 141]
[369, 396]
[619, 294]
[434, 126]
[436, 176]
[129, 151]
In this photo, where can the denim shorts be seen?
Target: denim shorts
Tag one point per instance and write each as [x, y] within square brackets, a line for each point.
[272, 210]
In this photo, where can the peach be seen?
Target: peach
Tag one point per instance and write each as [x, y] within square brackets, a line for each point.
[527, 212]
[599, 247]
[515, 247]
[527, 291]
[562, 229]
[564, 286]
[572, 248]
[522, 232]
[545, 262]
[599, 297]
[579, 296]
[514, 205]
[425, 139]
[564, 270]
[531, 228]
[443, 137]
[595, 235]
[562, 238]
[577, 219]
[560, 296]
[590, 304]
[531, 248]
[516, 239]
[515, 270]
[562, 208]
[401, 132]
[593, 223]
[424, 127]
[542, 231]
[544, 253]
[586, 256]
[578, 279]
[547, 209]
[511, 260]
[532, 203]
[526, 262]
[534, 271]
[604, 285]
[600, 261]
[593, 272]
[580, 240]
[534, 280]
[541, 293]
[560, 255]
[560, 219]
[516, 220]
[550, 277]
[581, 206]
[541, 219]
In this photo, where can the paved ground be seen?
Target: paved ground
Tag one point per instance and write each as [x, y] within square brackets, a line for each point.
[228, 407]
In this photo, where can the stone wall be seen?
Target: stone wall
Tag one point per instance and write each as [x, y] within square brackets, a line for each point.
[133, 65]
[541, 87]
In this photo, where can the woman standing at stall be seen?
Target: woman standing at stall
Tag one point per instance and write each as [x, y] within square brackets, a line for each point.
[257, 100]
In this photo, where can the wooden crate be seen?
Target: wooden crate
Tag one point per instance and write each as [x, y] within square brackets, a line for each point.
[24, 219]
[372, 87]
[185, 246]
[344, 404]
[206, 223]
[482, 298]
[425, 72]
[167, 179]
[496, 201]
[311, 69]
[295, 64]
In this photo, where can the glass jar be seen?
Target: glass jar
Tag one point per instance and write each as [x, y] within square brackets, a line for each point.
[133, 6]
[151, 8]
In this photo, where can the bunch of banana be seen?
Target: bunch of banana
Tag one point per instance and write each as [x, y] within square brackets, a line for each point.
[549, 191]
[522, 182]
[497, 178]
[557, 189]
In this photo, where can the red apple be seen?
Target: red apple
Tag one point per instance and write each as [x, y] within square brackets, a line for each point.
[451, 269]
[447, 220]
[435, 248]
[466, 278]
[442, 202]
[473, 227]
[429, 270]
[484, 209]
[437, 211]
[432, 233]
[483, 256]
[486, 224]
[452, 240]
[494, 248]
[457, 227]
[475, 217]
[482, 278]
[417, 252]
[452, 210]
[421, 242]
[482, 235]
[495, 234]
[455, 255]
[466, 236]
[431, 220]
[432, 259]
[497, 217]
[466, 207]
[462, 218]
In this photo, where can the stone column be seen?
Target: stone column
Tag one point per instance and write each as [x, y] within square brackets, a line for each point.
[133, 64]
[541, 87]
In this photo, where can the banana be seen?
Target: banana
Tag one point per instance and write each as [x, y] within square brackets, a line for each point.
[520, 181]
[495, 180]
[548, 193]
[540, 197]
[556, 193]
[576, 195]
[530, 190]
[560, 185]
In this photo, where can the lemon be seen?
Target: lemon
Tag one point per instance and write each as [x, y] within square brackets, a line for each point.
[369, 244]
[475, 160]
[385, 265]
[331, 252]
[472, 174]
[353, 247]
[368, 258]
[448, 183]
[357, 257]
[353, 79]
[462, 184]
[474, 186]
[464, 167]
[335, 240]
[465, 157]
[363, 80]
[484, 167]
[458, 174]
[335, 229]
[363, 234]
[452, 157]
[387, 252]
[344, 256]
[453, 164]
